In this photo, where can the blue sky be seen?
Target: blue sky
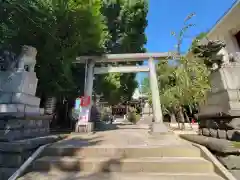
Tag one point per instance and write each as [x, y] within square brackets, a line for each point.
[166, 16]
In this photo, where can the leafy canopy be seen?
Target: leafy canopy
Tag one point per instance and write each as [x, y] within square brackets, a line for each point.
[60, 30]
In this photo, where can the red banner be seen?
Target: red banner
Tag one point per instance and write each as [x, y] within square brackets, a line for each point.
[85, 101]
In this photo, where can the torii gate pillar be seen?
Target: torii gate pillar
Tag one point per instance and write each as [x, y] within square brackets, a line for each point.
[157, 125]
[89, 79]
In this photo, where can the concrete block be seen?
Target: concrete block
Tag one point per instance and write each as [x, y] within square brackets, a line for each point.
[231, 162]
[19, 98]
[13, 160]
[30, 124]
[213, 133]
[84, 127]
[11, 135]
[5, 173]
[12, 108]
[19, 110]
[23, 82]
[27, 133]
[11, 124]
[224, 95]
[222, 134]
[206, 132]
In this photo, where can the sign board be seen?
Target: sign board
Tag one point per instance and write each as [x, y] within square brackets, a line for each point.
[82, 109]
[83, 116]
[77, 103]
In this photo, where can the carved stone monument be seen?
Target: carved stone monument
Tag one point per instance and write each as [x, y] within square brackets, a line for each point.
[220, 114]
[20, 115]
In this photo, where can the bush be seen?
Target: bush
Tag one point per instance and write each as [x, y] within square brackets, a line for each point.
[133, 117]
[105, 114]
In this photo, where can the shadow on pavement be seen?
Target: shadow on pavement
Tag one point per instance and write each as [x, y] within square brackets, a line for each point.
[72, 164]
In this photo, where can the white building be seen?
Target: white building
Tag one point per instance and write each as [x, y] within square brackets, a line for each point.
[227, 29]
[137, 94]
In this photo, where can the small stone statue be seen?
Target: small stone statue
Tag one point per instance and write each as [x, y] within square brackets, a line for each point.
[10, 62]
[27, 58]
[214, 54]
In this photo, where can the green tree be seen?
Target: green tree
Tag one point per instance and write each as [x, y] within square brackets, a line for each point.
[60, 30]
[197, 40]
[126, 22]
[185, 84]
[145, 86]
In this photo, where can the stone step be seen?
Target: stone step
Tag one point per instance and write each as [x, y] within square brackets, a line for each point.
[118, 176]
[146, 164]
[129, 151]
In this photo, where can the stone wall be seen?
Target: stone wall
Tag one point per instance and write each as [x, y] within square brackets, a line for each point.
[14, 154]
[17, 129]
[222, 128]
[232, 163]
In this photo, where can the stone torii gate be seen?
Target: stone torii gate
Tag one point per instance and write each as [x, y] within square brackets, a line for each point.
[91, 70]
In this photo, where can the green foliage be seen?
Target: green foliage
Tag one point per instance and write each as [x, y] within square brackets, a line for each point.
[197, 40]
[185, 84]
[208, 52]
[126, 22]
[145, 86]
[133, 117]
[182, 85]
[60, 30]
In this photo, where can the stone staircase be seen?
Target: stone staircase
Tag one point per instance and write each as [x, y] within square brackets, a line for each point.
[82, 160]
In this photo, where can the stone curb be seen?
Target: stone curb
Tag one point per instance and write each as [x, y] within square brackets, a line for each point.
[219, 168]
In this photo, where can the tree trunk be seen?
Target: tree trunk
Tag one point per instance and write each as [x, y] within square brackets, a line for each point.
[50, 105]
[188, 120]
[181, 118]
[190, 109]
[172, 117]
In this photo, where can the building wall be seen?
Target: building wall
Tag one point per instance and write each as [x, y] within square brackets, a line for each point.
[227, 28]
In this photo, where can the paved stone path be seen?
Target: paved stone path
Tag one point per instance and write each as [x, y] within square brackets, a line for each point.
[125, 135]
[128, 136]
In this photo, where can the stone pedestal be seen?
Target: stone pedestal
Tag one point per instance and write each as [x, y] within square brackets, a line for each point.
[84, 127]
[220, 115]
[225, 95]
[18, 94]
[158, 128]
[20, 115]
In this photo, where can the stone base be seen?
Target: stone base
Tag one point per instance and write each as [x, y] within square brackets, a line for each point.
[19, 110]
[84, 128]
[5, 173]
[159, 128]
[13, 154]
[218, 111]
[19, 98]
[224, 96]
[16, 129]
[22, 81]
